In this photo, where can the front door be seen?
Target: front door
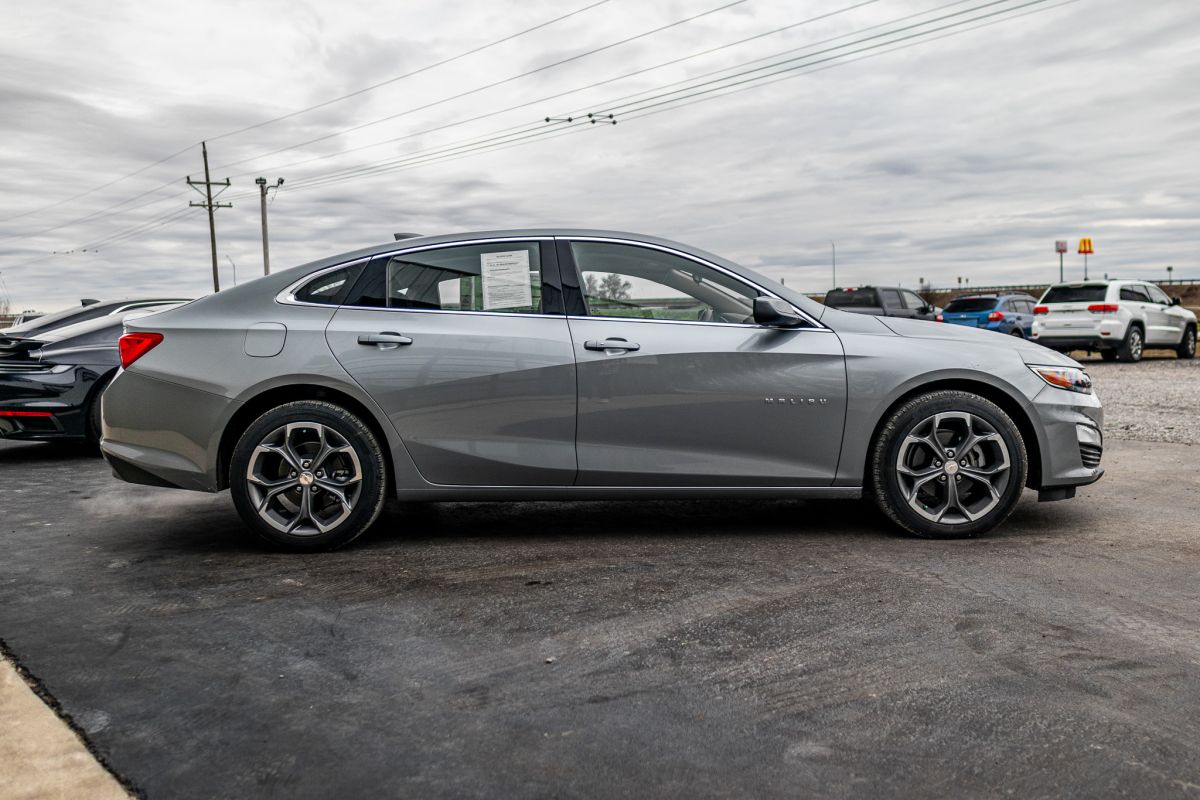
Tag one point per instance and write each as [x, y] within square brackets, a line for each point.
[679, 387]
[468, 352]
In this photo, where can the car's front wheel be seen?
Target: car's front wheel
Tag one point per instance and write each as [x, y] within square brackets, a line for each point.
[308, 475]
[948, 464]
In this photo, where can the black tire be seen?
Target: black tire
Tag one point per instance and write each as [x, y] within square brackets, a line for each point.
[1133, 346]
[333, 424]
[1017, 333]
[1187, 347]
[893, 444]
[1108, 355]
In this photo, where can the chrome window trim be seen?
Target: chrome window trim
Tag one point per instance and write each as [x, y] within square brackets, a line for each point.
[739, 278]
[739, 325]
[288, 295]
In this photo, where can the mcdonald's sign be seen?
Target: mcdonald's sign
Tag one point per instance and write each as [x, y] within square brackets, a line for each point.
[1085, 247]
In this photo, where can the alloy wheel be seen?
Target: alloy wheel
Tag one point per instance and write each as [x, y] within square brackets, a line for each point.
[1135, 344]
[953, 467]
[304, 478]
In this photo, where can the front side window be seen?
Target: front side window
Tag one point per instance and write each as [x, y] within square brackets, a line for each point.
[503, 277]
[913, 300]
[1157, 295]
[620, 280]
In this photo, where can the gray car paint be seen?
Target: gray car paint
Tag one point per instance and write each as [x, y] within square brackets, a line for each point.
[672, 433]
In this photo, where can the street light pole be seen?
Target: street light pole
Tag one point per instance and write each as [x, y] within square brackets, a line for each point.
[230, 260]
[1169, 271]
[262, 198]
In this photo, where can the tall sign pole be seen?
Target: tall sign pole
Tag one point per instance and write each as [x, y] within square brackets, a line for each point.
[1085, 250]
[1060, 247]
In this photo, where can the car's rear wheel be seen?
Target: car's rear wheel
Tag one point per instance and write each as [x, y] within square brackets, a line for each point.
[1131, 349]
[948, 464]
[308, 475]
[1017, 333]
[1187, 347]
[93, 424]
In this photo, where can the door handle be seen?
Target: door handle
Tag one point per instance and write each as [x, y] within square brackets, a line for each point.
[385, 338]
[611, 344]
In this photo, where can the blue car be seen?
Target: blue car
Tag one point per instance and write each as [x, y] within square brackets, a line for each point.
[1005, 313]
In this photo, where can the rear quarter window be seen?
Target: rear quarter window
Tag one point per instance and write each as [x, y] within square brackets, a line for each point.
[1075, 294]
[859, 298]
[330, 288]
[969, 304]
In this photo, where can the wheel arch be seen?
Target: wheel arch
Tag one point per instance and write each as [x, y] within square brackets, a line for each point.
[264, 401]
[1009, 404]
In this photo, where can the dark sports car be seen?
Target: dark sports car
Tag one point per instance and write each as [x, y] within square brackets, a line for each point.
[51, 380]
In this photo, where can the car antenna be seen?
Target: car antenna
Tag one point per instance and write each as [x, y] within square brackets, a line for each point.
[400, 236]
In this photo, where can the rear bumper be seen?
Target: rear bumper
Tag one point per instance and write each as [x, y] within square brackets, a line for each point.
[1077, 342]
[47, 405]
[162, 434]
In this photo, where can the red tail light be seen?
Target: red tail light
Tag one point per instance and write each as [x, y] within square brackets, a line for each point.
[135, 345]
[1041, 309]
[1104, 308]
[940, 318]
[995, 316]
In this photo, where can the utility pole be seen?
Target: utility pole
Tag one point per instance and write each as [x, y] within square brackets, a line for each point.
[208, 203]
[1169, 271]
[833, 251]
[262, 197]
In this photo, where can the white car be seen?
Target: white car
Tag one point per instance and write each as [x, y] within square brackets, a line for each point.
[1120, 319]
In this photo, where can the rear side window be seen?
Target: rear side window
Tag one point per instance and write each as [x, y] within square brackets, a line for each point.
[502, 277]
[1135, 294]
[331, 287]
[1075, 294]
[859, 298]
[964, 305]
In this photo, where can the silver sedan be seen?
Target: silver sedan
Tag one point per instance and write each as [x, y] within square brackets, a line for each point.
[574, 364]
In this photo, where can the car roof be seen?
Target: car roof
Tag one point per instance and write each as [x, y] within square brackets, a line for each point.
[288, 276]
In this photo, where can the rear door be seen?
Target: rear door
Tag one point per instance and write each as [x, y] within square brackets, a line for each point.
[679, 387]
[467, 350]
[1136, 298]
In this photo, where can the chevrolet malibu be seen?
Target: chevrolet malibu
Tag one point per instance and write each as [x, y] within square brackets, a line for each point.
[570, 364]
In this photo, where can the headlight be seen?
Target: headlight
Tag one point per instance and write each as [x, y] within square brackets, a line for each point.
[1073, 379]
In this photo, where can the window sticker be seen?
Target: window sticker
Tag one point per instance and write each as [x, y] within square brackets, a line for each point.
[506, 280]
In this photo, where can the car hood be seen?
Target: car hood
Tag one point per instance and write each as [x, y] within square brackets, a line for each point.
[1030, 352]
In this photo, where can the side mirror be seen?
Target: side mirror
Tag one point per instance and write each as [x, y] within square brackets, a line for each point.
[775, 313]
[1175, 301]
[926, 309]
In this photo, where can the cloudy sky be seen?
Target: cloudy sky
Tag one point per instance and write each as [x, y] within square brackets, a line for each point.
[924, 140]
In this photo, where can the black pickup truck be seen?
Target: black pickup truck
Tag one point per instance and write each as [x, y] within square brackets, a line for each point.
[881, 301]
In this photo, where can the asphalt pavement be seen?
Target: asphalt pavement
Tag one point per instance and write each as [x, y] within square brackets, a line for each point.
[670, 649]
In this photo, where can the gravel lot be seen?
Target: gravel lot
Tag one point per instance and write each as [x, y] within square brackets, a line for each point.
[670, 649]
[1155, 400]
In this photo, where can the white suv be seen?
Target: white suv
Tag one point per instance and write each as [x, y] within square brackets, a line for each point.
[1120, 319]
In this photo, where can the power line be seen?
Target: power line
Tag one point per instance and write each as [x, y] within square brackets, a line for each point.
[426, 68]
[487, 86]
[577, 89]
[677, 95]
[355, 93]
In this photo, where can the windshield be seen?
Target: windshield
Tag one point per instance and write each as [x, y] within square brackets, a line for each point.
[841, 298]
[968, 304]
[1075, 294]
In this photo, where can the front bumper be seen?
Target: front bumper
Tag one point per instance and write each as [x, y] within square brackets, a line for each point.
[1073, 440]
